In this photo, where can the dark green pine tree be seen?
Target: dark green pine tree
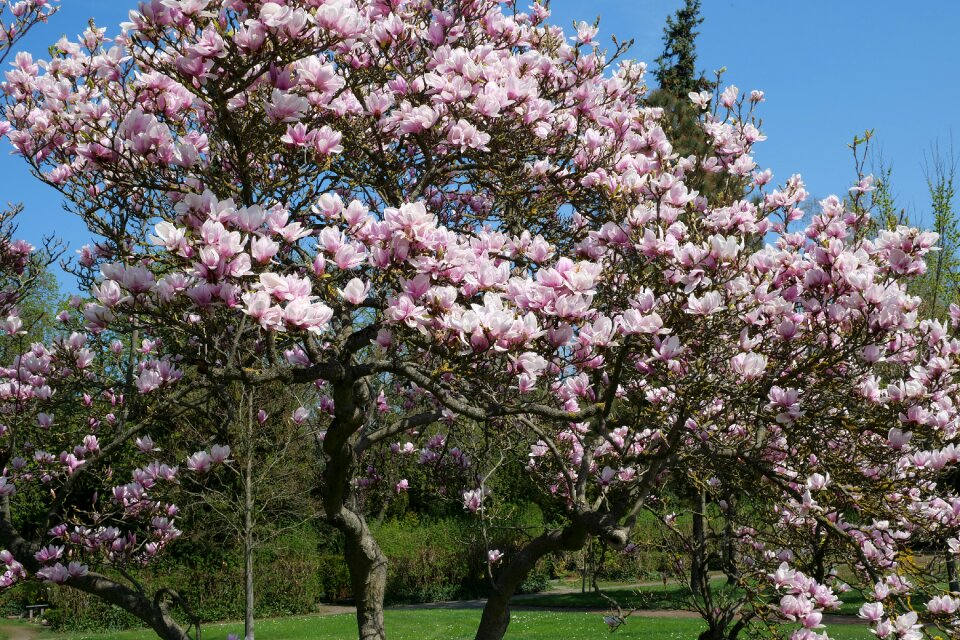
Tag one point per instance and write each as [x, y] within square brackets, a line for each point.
[677, 66]
[678, 76]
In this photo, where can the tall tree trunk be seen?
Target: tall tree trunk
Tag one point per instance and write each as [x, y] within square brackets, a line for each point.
[698, 560]
[248, 545]
[368, 577]
[368, 570]
[496, 613]
[729, 543]
[365, 560]
[583, 572]
[954, 583]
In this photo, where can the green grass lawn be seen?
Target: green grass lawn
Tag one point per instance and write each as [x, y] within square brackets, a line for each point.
[458, 625]
[657, 597]
[651, 597]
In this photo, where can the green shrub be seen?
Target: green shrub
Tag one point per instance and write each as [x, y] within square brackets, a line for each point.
[13, 601]
[333, 577]
[74, 610]
[535, 583]
[429, 561]
[286, 582]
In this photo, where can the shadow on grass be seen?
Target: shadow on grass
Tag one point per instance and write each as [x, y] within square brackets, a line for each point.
[652, 598]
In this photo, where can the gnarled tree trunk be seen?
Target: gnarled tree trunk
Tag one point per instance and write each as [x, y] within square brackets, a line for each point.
[368, 577]
[365, 560]
[153, 612]
[496, 613]
[368, 568]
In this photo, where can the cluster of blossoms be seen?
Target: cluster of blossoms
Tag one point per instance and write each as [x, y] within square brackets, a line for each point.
[17, 17]
[15, 256]
[67, 407]
[203, 461]
[804, 600]
[49, 401]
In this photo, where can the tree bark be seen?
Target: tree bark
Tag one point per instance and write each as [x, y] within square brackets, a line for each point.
[954, 583]
[698, 560]
[368, 578]
[367, 564]
[496, 613]
[729, 545]
[368, 571]
[365, 560]
[820, 546]
[153, 612]
[248, 544]
[711, 633]
[722, 629]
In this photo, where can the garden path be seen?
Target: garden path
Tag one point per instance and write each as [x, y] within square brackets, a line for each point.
[18, 631]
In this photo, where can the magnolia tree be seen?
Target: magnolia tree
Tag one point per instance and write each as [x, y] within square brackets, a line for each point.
[458, 200]
[308, 192]
[64, 414]
[789, 364]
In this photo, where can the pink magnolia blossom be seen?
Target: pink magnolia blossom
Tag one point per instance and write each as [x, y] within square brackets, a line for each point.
[199, 462]
[356, 291]
[473, 500]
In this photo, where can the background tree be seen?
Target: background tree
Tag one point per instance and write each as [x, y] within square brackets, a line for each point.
[264, 488]
[607, 464]
[676, 71]
[941, 284]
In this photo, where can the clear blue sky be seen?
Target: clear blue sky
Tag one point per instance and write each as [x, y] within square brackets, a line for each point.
[829, 69]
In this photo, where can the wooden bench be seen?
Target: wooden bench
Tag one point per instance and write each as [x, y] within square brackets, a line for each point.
[32, 609]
